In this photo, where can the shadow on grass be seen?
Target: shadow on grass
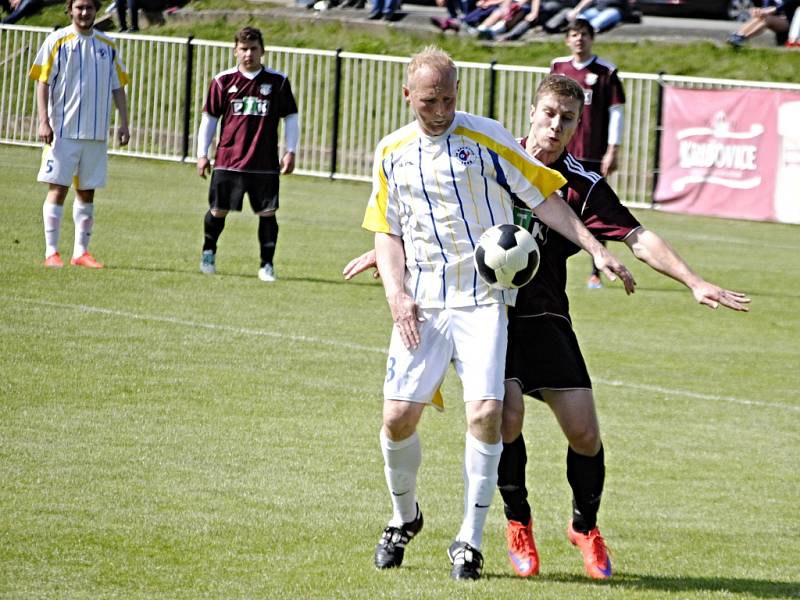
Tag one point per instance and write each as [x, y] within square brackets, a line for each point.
[760, 588]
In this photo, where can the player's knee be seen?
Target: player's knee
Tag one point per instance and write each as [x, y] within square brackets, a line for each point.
[266, 213]
[513, 412]
[585, 439]
[219, 214]
[400, 419]
[485, 419]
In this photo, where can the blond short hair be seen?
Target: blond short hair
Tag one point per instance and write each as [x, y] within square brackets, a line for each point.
[432, 57]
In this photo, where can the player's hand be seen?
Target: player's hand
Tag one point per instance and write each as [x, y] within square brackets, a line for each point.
[45, 133]
[360, 264]
[609, 163]
[203, 166]
[712, 296]
[287, 164]
[611, 268]
[123, 135]
[406, 315]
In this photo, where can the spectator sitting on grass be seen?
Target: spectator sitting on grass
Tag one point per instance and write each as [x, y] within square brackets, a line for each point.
[772, 14]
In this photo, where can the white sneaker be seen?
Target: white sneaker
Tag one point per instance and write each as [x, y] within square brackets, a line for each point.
[207, 265]
[267, 273]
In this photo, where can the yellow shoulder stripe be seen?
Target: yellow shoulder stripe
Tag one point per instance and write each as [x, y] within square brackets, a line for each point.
[375, 217]
[546, 180]
[42, 72]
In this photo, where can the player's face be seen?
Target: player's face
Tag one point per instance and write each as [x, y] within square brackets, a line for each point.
[553, 122]
[580, 43]
[431, 94]
[82, 14]
[248, 54]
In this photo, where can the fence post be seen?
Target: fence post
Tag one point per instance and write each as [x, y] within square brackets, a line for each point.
[187, 96]
[337, 93]
[659, 126]
[492, 87]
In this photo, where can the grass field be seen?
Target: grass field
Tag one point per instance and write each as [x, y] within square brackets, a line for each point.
[167, 434]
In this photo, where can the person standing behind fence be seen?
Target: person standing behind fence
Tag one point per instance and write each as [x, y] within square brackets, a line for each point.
[133, 8]
[597, 139]
[250, 100]
[77, 72]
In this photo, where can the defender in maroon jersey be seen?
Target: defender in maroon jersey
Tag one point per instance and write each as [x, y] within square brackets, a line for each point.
[250, 100]
[597, 138]
[544, 359]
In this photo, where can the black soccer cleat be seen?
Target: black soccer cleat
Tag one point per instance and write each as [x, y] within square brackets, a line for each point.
[467, 561]
[392, 545]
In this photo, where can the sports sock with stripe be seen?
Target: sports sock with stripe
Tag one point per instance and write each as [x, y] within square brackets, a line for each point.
[511, 481]
[402, 460]
[51, 215]
[586, 476]
[480, 480]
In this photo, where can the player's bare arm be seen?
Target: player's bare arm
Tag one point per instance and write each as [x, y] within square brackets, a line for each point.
[555, 213]
[42, 98]
[203, 166]
[654, 251]
[390, 257]
[360, 264]
[609, 162]
[121, 102]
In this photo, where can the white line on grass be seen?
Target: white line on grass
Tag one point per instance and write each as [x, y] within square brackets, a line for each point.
[373, 349]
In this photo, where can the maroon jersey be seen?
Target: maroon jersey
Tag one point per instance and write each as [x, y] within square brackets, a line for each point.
[250, 110]
[602, 89]
[596, 204]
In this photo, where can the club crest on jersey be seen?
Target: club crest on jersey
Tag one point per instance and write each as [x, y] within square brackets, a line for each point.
[466, 155]
[591, 79]
[265, 89]
[101, 53]
[250, 106]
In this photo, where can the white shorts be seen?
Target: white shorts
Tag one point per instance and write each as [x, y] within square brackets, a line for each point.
[472, 338]
[81, 163]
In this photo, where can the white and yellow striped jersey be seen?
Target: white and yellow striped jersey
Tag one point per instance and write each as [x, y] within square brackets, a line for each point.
[441, 193]
[81, 71]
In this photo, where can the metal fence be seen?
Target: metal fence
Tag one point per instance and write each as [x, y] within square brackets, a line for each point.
[347, 101]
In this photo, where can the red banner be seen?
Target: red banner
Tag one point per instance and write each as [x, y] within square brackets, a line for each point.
[731, 153]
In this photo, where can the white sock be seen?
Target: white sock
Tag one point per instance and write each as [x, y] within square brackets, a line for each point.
[401, 464]
[51, 215]
[480, 480]
[83, 217]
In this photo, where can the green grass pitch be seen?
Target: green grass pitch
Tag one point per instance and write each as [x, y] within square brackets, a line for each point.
[165, 434]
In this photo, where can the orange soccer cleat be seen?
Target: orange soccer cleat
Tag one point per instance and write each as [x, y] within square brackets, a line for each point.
[86, 260]
[54, 261]
[595, 554]
[522, 548]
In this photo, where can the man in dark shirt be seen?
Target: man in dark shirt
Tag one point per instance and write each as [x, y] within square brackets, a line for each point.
[543, 358]
[250, 100]
[599, 133]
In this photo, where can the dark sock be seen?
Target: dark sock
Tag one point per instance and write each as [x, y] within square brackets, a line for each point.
[511, 481]
[268, 238]
[212, 226]
[586, 475]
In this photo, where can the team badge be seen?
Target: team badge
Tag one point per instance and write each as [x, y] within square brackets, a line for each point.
[265, 89]
[101, 53]
[233, 89]
[591, 79]
[466, 155]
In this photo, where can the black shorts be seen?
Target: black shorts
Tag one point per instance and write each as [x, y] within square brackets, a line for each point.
[543, 353]
[227, 190]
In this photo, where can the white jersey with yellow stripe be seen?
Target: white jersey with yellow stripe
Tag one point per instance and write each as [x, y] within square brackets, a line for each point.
[82, 71]
[441, 193]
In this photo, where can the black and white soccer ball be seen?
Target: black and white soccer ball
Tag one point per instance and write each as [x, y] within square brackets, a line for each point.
[507, 257]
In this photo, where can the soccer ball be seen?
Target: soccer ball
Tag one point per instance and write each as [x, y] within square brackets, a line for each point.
[507, 257]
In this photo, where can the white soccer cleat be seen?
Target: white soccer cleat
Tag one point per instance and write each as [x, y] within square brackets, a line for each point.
[207, 263]
[267, 273]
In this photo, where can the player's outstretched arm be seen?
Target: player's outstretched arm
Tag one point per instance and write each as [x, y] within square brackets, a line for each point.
[360, 264]
[653, 250]
[557, 214]
[391, 261]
